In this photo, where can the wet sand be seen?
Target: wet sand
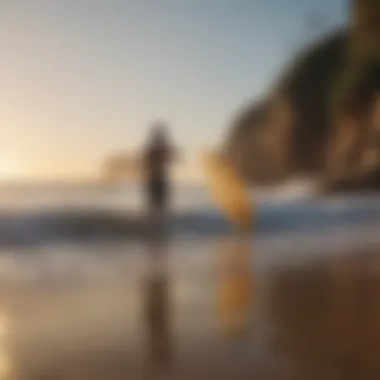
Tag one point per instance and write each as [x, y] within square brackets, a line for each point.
[195, 311]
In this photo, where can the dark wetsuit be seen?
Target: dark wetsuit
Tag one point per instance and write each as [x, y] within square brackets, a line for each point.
[157, 182]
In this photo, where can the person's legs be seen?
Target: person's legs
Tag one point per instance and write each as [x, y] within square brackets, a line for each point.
[157, 202]
[159, 194]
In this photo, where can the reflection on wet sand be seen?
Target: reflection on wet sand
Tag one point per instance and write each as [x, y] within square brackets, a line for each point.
[156, 293]
[321, 317]
[236, 287]
[327, 315]
[5, 362]
[157, 311]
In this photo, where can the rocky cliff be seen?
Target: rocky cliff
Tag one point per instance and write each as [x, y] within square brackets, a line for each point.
[322, 117]
[287, 133]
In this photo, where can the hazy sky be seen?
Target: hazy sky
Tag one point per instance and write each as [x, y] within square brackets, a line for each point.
[80, 79]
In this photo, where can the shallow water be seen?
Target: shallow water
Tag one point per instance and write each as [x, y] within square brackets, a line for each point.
[40, 216]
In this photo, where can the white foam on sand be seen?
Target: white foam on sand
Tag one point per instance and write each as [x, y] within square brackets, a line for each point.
[289, 191]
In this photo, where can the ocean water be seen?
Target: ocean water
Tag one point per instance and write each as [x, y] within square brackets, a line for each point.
[48, 232]
[40, 214]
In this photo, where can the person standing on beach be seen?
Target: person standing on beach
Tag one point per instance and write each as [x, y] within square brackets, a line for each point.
[157, 157]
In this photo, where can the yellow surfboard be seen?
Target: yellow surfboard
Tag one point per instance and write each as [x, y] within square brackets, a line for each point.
[228, 190]
[235, 298]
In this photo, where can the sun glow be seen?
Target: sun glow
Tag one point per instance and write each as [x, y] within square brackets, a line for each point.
[8, 172]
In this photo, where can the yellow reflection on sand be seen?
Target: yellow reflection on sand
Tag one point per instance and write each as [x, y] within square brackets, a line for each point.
[235, 299]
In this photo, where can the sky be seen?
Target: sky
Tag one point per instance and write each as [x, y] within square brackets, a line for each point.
[81, 79]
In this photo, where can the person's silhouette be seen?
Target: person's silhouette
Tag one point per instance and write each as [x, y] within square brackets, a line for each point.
[157, 157]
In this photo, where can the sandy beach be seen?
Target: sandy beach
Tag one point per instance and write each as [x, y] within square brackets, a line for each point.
[308, 315]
